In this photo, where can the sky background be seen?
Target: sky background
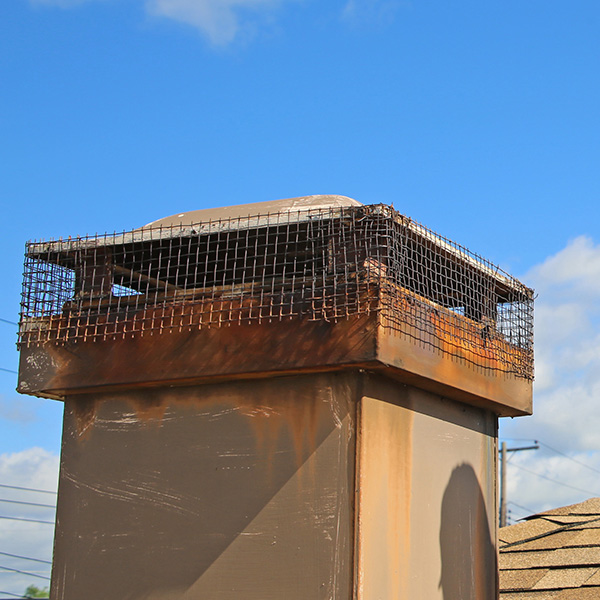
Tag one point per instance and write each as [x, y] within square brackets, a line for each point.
[478, 118]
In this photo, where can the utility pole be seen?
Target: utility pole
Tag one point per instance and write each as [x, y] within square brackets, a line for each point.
[503, 460]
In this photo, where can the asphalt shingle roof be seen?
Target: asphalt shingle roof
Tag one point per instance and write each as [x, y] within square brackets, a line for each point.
[554, 555]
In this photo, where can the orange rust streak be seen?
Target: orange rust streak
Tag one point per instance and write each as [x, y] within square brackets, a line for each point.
[453, 334]
[273, 409]
[385, 466]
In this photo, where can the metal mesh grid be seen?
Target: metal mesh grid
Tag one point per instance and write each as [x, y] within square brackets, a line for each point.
[318, 264]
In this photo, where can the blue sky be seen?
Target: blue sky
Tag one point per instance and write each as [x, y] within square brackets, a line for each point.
[478, 118]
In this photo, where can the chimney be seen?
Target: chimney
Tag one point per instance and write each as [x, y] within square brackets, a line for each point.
[295, 399]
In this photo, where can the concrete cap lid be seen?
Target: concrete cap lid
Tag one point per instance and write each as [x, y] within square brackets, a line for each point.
[258, 208]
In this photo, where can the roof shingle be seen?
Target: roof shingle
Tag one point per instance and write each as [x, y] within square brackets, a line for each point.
[554, 555]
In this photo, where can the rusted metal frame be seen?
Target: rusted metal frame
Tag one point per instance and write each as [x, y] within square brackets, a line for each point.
[152, 281]
[474, 336]
[458, 253]
[349, 346]
[210, 352]
[368, 224]
[63, 247]
[488, 322]
[275, 242]
[504, 286]
[234, 270]
[177, 292]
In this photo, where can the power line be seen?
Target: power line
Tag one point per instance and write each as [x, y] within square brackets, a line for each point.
[26, 489]
[527, 510]
[27, 520]
[16, 325]
[555, 481]
[557, 452]
[28, 503]
[570, 458]
[47, 562]
[8, 371]
[19, 596]
[24, 572]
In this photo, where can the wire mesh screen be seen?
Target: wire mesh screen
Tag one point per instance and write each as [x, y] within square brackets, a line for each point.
[318, 264]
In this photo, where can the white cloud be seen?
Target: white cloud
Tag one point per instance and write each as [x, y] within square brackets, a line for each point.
[576, 268]
[224, 21]
[567, 386]
[219, 20]
[32, 468]
[540, 493]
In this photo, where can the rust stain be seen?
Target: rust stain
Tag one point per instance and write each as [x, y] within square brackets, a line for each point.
[385, 487]
[486, 561]
[275, 409]
[405, 459]
[85, 409]
[457, 337]
[437, 361]
[194, 523]
[480, 552]
[413, 337]
[150, 408]
[187, 355]
[399, 438]
[267, 416]
[273, 414]
[192, 311]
